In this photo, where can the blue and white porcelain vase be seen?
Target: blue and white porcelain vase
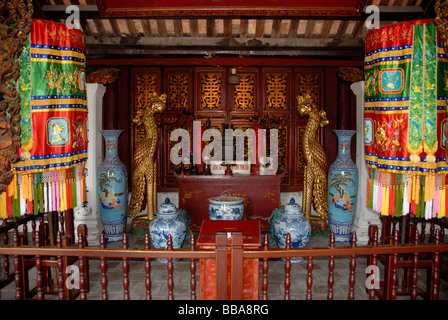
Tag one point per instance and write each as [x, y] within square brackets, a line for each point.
[168, 221]
[112, 188]
[291, 220]
[342, 188]
[226, 207]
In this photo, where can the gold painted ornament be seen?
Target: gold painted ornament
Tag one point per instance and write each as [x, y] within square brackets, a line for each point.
[315, 177]
[144, 176]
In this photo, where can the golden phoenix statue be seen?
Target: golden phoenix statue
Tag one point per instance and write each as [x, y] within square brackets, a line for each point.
[144, 177]
[315, 180]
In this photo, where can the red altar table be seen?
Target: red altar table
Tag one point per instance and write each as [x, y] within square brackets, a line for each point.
[261, 195]
[207, 267]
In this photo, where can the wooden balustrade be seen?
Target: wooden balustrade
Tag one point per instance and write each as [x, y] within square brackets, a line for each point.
[371, 252]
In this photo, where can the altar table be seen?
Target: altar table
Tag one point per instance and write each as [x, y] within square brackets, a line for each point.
[207, 267]
[261, 195]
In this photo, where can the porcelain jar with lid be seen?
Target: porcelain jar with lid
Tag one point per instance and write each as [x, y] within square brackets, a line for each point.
[167, 221]
[226, 207]
[291, 220]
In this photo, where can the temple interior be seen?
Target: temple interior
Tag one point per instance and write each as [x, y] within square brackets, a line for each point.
[217, 150]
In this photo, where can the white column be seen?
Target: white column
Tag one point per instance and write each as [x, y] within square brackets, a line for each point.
[364, 216]
[89, 215]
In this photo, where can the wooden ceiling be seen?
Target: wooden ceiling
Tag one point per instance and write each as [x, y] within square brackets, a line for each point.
[126, 30]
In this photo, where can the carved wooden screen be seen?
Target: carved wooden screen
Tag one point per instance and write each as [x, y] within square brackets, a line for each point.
[244, 105]
[178, 85]
[264, 95]
[277, 108]
[211, 106]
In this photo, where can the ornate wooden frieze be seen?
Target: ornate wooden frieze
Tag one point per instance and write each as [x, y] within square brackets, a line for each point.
[244, 93]
[211, 91]
[350, 74]
[276, 91]
[103, 76]
[179, 91]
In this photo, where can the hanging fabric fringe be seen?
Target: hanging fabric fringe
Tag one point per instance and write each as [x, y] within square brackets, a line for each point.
[35, 193]
[396, 195]
[50, 173]
[406, 90]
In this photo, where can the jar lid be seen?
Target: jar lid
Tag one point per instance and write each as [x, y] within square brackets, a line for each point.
[167, 207]
[225, 197]
[292, 207]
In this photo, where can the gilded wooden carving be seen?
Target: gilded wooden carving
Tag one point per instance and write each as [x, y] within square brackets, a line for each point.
[103, 76]
[211, 91]
[13, 33]
[144, 176]
[276, 91]
[145, 85]
[244, 93]
[248, 144]
[350, 74]
[308, 84]
[315, 180]
[178, 86]
[300, 163]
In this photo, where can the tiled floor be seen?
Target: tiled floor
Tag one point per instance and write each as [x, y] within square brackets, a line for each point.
[182, 278]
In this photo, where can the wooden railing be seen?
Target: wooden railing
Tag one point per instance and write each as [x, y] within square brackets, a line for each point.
[46, 256]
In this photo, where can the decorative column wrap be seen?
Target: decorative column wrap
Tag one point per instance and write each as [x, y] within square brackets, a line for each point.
[405, 107]
[50, 173]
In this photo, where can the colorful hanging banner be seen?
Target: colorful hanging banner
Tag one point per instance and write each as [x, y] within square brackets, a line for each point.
[52, 87]
[406, 90]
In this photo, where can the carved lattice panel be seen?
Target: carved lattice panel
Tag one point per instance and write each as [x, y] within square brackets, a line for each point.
[244, 93]
[300, 163]
[284, 161]
[168, 166]
[309, 84]
[145, 84]
[276, 90]
[218, 125]
[178, 86]
[249, 145]
[211, 91]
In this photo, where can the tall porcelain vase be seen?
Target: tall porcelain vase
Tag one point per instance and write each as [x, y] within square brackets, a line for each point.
[342, 188]
[112, 188]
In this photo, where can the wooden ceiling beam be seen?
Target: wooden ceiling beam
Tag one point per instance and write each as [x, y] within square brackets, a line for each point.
[244, 28]
[387, 13]
[355, 53]
[227, 28]
[211, 28]
[293, 28]
[346, 61]
[248, 43]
